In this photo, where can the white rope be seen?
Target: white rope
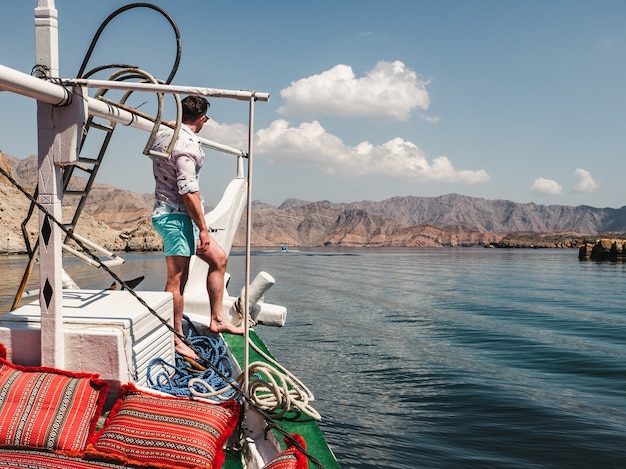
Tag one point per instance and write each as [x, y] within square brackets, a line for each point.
[212, 393]
[278, 392]
[274, 390]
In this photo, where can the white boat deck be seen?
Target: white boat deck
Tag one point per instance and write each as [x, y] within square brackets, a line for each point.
[106, 331]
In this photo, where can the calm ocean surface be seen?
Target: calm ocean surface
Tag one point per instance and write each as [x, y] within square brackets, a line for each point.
[441, 358]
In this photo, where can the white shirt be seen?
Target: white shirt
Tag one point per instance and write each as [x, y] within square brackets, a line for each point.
[177, 175]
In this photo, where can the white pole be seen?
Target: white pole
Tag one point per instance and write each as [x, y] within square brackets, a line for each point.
[242, 95]
[246, 309]
[50, 188]
[46, 36]
[26, 85]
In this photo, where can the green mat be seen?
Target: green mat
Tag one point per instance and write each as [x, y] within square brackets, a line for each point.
[303, 425]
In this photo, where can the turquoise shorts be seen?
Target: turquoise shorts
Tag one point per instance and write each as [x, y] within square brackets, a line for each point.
[179, 234]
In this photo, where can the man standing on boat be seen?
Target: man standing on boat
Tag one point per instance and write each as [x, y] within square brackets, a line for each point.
[178, 217]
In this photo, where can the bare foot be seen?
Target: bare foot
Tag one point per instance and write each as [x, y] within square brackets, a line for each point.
[184, 350]
[225, 326]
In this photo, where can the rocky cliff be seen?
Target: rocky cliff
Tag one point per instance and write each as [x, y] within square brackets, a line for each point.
[119, 220]
[115, 219]
[606, 249]
[325, 224]
[119, 209]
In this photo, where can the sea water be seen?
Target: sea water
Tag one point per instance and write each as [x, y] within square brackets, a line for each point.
[441, 358]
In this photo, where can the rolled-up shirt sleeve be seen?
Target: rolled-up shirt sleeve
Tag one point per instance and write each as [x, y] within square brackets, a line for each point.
[187, 178]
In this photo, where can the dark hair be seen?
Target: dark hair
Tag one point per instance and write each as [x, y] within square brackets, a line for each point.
[194, 107]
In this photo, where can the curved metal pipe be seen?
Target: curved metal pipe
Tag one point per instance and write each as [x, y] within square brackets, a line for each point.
[122, 10]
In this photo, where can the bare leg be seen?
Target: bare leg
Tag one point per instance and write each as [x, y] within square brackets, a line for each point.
[177, 272]
[217, 260]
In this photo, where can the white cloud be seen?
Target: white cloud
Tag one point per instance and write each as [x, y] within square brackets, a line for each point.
[389, 91]
[234, 135]
[546, 187]
[310, 144]
[585, 182]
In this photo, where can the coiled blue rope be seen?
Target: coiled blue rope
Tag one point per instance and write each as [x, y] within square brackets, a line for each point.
[175, 378]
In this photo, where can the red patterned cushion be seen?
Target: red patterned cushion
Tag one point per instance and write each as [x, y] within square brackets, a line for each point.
[146, 429]
[30, 459]
[292, 457]
[48, 409]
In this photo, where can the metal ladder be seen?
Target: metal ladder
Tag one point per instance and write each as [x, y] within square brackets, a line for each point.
[73, 187]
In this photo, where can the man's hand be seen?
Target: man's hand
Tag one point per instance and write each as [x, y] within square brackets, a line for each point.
[204, 242]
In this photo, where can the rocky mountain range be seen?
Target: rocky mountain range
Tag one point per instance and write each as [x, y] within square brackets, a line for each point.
[119, 220]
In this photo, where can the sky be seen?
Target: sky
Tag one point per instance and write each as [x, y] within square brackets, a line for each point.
[522, 101]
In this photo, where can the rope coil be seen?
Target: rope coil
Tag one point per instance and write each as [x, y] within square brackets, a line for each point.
[279, 393]
[272, 389]
[180, 380]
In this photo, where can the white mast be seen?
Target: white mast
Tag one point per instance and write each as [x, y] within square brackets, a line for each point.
[50, 268]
